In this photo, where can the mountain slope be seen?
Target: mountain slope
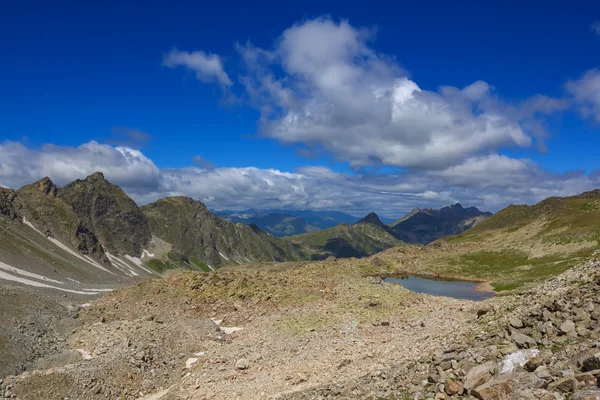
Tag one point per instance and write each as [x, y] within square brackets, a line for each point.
[425, 226]
[109, 213]
[365, 237]
[205, 238]
[92, 214]
[517, 246]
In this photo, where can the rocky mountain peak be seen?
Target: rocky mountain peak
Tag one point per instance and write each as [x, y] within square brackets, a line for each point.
[44, 186]
[372, 219]
[106, 210]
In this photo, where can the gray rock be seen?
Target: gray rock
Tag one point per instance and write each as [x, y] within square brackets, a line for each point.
[543, 372]
[567, 326]
[523, 341]
[516, 322]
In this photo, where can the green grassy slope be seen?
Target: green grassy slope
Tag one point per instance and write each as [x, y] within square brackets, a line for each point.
[518, 245]
[364, 238]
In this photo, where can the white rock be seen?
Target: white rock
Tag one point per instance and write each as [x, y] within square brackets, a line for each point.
[517, 359]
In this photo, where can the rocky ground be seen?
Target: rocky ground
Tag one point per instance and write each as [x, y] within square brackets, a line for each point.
[323, 330]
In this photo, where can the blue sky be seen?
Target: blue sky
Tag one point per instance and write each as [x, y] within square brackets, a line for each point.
[72, 72]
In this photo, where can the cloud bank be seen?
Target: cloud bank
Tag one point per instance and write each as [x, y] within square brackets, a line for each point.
[488, 182]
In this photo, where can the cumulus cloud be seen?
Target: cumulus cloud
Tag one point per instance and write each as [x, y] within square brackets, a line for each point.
[586, 93]
[323, 86]
[208, 67]
[20, 165]
[488, 182]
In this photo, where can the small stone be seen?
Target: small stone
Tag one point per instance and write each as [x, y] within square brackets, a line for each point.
[452, 387]
[516, 322]
[242, 363]
[543, 372]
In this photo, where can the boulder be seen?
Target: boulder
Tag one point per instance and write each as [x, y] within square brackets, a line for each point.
[567, 326]
[479, 375]
[564, 385]
[452, 387]
[591, 363]
[516, 322]
[522, 340]
[517, 359]
[507, 386]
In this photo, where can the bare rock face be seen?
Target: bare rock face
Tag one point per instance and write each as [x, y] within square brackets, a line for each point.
[107, 211]
[92, 214]
[201, 236]
[7, 206]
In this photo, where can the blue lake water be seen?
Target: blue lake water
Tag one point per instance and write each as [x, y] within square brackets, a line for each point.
[463, 290]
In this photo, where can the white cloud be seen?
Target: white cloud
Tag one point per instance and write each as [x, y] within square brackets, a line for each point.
[324, 86]
[208, 67]
[595, 27]
[586, 93]
[20, 165]
[489, 182]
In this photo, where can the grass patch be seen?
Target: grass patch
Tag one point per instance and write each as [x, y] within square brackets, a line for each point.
[197, 262]
[510, 269]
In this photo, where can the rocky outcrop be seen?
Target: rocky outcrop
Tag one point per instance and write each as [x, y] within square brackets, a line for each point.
[91, 214]
[7, 206]
[109, 213]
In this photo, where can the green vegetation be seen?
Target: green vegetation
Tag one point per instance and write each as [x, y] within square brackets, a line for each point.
[197, 262]
[364, 238]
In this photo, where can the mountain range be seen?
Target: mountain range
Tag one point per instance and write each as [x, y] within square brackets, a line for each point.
[427, 225]
[92, 222]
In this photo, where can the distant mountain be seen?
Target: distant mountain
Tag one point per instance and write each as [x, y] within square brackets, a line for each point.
[365, 237]
[427, 225]
[209, 241]
[318, 219]
[282, 224]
